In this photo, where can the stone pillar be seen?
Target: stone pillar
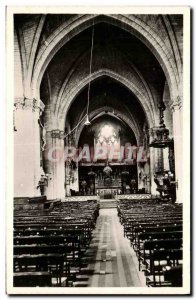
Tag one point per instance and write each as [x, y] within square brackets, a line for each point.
[148, 184]
[68, 178]
[156, 162]
[54, 164]
[147, 175]
[27, 168]
[74, 185]
[177, 132]
[153, 159]
[140, 172]
[71, 172]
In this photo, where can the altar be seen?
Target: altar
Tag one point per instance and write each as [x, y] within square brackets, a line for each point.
[121, 179]
[107, 188]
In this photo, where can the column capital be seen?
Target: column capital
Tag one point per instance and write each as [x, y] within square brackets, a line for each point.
[29, 104]
[56, 133]
[177, 104]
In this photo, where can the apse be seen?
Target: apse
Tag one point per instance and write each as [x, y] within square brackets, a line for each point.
[107, 131]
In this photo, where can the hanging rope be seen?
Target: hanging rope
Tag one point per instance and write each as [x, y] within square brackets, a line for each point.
[90, 68]
[89, 83]
[75, 127]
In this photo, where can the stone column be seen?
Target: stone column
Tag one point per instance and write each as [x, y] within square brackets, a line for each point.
[75, 183]
[153, 159]
[139, 176]
[71, 172]
[148, 184]
[177, 132]
[27, 168]
[144, 172]
[54, 164]
[147, 175]
[67, 180]
[140, 165]
[156, 162]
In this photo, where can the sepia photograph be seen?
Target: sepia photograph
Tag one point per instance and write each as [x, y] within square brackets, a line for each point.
[98, 200]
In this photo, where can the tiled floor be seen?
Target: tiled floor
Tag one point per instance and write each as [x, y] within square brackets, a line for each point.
[110, 255]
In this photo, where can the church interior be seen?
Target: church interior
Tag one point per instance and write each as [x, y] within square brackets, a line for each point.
[97, 150]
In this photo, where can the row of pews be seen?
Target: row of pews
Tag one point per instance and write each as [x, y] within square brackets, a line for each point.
[49, 244]
[155, 231]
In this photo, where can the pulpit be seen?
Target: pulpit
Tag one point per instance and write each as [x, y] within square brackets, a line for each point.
[164, 179]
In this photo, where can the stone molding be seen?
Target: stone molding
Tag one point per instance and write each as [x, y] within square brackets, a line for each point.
[29, 104]
[56, 134]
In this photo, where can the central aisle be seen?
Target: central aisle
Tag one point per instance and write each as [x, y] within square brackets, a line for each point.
[110, 255]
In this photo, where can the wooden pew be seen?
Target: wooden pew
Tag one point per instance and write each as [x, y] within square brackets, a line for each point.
[149, 246]
[154, 230]
[53, 240]
[51, 262]
[129, 229]
[173, 275]
[138, 230]
[158, 260]
[32, 279]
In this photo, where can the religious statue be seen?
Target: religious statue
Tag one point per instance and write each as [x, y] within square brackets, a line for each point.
[42, 183]
[83, 185]
[91, 174]
[107, 170]
[107, 175]
[133, 185]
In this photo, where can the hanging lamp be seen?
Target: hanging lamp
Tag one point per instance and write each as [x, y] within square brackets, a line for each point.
[87, 122]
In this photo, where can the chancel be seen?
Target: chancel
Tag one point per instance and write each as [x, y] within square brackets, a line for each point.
[98, 150]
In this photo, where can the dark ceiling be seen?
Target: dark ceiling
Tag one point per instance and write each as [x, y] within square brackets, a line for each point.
[106, 92]
[109, 40]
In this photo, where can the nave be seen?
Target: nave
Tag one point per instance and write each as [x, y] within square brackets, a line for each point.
[81, 244]
[115, 262]
[99, 173]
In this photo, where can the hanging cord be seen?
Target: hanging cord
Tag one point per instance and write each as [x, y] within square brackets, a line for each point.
[90, 68]
[89, 84]
[75, 127]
